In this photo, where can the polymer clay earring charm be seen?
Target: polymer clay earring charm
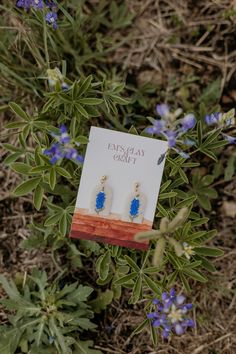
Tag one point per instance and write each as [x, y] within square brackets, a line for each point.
[101, 198]
[135, 206]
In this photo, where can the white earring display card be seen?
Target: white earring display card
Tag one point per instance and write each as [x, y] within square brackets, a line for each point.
[119, 187]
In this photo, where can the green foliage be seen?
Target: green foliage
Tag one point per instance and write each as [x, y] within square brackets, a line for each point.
[45, 315]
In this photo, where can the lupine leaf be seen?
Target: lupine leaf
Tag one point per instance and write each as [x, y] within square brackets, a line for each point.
[27, 186]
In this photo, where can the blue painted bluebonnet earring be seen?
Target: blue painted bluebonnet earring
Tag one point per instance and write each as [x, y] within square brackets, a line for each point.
[101, 198]
[135, 206]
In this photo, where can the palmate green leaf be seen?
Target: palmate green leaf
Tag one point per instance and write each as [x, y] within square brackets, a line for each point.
[119, 100]
[103, 265]
[185, 282]
[132, 264]
[90, 101]
[18, 111]
[206, 264]
[52, 178]
[210, 138]
[165, 185]
[62, 172]
[153, 331]
[196, 275]
[63, 224]
[167, 195]
[183, 175]
[199, 222]
[85, 85]
[209, 153]
[81, 110]
[38, 196]
[136, 290]
[204, 202]
[199, 132]
[53, 219]
[21, 168]
[26, 187]
[15, 125]
[125, 278]
[208, 251]
[152, 285]
[186, 203]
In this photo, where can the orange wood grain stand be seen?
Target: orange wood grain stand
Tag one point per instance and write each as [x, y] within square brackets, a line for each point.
[108, 230]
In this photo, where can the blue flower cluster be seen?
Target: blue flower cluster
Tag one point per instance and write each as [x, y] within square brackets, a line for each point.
[50, 17]
[63, 148]
[172, 129]
[171, 314]
[221, 120]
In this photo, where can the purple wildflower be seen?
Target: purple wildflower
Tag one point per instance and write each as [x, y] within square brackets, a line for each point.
[163, 110]
[171, 138]
[157, 128]
[37, 4]
[51, 19]
[24, 4]
[171, 314]
[62, 148]
[50, 3]
[213, 119]
[188, 122]
[230, 139]
[171, 128]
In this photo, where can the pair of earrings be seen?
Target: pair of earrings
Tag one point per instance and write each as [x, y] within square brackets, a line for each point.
[102, 200]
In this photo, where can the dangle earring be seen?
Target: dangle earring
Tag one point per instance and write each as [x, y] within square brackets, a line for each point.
[101, 198]
[135, 206]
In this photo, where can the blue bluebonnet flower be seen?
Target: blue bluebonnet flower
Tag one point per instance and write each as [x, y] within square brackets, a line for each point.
[51, 19]
[163, 110]
[230, 139]
[222, 120]
[50, 3]
[63, 148]
[37, 4]
[171, 128]
[171, 314]
[24, 4]
[188, 122]
[213, 118]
